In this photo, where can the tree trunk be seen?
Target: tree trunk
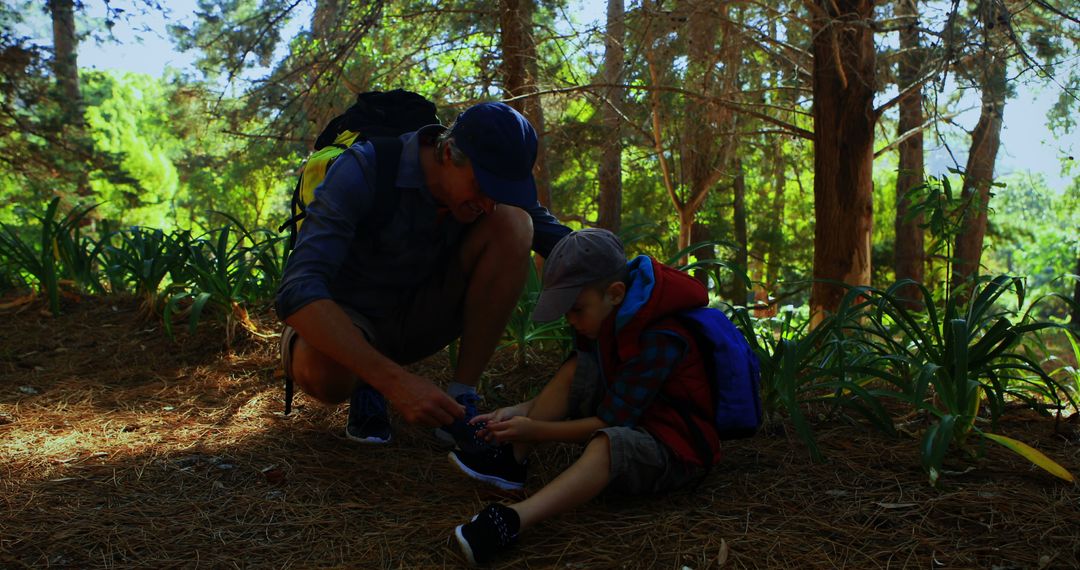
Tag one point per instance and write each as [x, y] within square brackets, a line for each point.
[909, 247]
[843, 91]
[520, 81]
[700, 232]
[610, 171]
[66, 70]
[776, 233]
[738, 212]
[979, 173]
[1074, 321]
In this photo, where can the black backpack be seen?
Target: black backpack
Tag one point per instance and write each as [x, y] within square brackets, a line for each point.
[379, 118]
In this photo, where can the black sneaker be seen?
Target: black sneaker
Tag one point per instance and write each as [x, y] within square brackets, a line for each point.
[460, 434]
[490, 532]
[495, 465]
[369, 421]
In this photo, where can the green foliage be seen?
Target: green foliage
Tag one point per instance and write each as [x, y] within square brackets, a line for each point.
[950, 363]
[141, 261]
[37, 254]
[523, 333]
[226, 270]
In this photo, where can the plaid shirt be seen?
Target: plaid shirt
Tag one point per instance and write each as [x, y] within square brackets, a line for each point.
[638, 380]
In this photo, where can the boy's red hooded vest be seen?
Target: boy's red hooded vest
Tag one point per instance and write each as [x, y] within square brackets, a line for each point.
[655, 293]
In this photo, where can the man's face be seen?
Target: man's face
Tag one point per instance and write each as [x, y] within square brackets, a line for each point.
[592, 307]
[462, 193]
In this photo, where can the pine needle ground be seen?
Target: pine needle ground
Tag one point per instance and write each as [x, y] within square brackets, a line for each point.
[120, 448]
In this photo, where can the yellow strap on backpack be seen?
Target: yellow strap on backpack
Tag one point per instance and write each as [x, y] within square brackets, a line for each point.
[315, 168]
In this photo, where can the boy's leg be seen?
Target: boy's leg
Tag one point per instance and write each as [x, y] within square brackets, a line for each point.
[552, 404]
[579, 483]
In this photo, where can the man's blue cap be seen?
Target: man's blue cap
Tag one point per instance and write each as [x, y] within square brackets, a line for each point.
[501, 145]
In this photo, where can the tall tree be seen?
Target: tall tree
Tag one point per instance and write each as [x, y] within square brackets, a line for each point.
[990, 67]
[610, 170]
[521, 81]
[706, 136]
[738, 213]
[909, 249]
[66, 70]
[844, 118]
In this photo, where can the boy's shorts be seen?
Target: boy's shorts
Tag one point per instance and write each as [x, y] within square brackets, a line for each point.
[640, 463]
[430, 319]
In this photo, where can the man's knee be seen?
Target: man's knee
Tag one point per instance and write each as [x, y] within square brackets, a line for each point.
[507, 228]
[319, 376]
[505, 235]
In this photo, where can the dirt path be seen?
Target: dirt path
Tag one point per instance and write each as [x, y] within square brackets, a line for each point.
[120, 448]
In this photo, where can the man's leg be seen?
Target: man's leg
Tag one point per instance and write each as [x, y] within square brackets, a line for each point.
[494, 258]
[318, 375]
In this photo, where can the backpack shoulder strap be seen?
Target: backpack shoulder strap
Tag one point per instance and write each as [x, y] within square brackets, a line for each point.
[387, 160]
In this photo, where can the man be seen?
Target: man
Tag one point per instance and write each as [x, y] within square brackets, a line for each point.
[450, 261]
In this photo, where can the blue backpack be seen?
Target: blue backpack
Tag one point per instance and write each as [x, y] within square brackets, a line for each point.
[734, 378]
[733, 370]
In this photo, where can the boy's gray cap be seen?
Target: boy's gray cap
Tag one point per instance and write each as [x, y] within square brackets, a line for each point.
[579, 258]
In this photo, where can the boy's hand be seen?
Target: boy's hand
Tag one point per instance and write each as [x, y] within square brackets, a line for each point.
[517, 428]
[500, 414]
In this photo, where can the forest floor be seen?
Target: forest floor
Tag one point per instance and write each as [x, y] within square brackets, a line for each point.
[121, 448]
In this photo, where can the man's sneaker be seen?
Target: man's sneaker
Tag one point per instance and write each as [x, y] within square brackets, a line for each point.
[490, 532]
[369, 421]
[495, 465]
[460, 433]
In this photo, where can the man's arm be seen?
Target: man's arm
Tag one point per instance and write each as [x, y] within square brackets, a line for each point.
[326, 327]
[547, 230]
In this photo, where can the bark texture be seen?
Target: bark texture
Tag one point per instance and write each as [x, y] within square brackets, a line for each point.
[66, 70]
[520, 81]
[979, 170]
[844, 118]
[909, 260]
[610, 170]
[738, 212]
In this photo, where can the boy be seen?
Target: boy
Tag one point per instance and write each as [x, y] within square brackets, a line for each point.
[626, 393]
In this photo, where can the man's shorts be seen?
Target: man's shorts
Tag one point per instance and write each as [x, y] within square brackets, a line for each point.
[640, 464]
[431, 317]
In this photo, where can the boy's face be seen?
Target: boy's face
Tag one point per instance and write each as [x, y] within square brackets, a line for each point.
[592, 307]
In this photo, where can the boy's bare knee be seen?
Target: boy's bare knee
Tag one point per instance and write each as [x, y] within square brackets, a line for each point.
[599, 450]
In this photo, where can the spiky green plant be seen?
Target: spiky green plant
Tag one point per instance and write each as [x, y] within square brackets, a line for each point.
[141, 259]
[522, 332]
[950, 363]
[39, 255]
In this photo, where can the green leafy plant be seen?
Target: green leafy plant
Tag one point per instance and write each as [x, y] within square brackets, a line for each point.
[715, 267]
[522, 331]
[141, 261]
[220, 273]
[39, 256]
[948, 364]
[801, 366]
[79, 256]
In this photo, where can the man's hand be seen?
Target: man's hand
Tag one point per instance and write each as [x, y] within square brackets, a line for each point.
[421, 402]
